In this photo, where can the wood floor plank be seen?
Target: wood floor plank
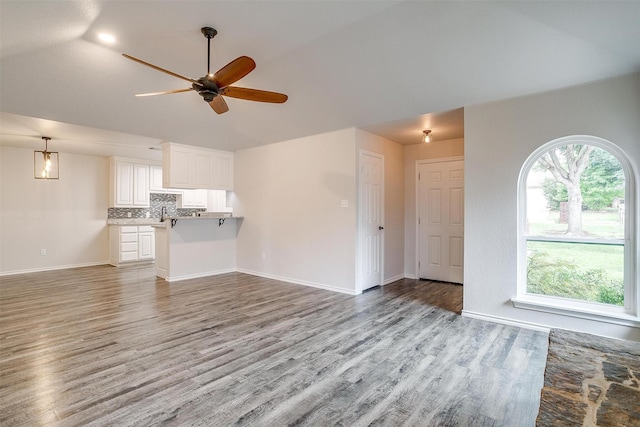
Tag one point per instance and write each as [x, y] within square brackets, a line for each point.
[110, 346]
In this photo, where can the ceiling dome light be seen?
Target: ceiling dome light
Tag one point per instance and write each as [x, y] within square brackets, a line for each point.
[106, 38]
[427, 136]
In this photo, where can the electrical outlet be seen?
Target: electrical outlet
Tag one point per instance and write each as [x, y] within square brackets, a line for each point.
[264, 256]
[43, 252]
[128, 214]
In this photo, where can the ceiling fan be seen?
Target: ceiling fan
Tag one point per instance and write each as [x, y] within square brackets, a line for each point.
[212, 86]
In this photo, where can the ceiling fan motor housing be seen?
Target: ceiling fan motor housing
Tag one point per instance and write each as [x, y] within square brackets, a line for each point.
[207, 89]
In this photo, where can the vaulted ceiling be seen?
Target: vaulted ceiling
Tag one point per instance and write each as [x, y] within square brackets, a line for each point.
[391, 67]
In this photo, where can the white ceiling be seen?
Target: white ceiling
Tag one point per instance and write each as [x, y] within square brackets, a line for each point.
[389, 67]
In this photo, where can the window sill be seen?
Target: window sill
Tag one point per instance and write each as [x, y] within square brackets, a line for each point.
[554, 306]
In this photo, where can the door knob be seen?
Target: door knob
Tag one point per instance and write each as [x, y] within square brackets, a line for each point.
[380, 228]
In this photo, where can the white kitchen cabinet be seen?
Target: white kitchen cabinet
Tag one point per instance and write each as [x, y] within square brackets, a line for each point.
[140, 185]
[193, 199]
[196, 168]
[131, 243]
[129, 184]
[222, 171]
[146, 243]
[155, 181]
[185, 167]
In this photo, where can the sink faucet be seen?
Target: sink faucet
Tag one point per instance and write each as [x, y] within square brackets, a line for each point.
[163, 213]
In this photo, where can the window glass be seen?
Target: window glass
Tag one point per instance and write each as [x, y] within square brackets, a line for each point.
[575, 213]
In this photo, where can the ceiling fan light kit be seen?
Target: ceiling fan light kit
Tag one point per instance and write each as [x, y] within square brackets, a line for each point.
[211, 87]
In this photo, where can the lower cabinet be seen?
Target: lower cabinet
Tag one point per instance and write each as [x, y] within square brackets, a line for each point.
[131, 243]
[146, 243]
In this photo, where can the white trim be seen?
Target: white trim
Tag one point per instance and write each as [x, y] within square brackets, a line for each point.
[58, 267]
[198, 275]
[440, 160]
[296, 281]
[506, 321]
[554, 306]
[410, 276]
[358, 288]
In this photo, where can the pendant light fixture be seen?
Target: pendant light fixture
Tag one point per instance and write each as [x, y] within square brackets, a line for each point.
[426, 137]
[45, 163]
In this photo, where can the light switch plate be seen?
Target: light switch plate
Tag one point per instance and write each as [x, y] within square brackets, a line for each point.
[344, 203]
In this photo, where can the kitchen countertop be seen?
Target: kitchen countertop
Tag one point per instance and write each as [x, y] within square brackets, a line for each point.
[173, 220]
[156, 221]
[133, 221]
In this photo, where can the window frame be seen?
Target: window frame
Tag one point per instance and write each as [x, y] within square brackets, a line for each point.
[627, 315]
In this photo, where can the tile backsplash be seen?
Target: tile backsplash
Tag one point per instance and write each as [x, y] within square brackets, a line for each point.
[157, 201]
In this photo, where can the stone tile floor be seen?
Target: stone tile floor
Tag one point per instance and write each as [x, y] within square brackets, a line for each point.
[590, 381]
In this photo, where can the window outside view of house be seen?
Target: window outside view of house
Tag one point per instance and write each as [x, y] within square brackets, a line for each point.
[575, 229]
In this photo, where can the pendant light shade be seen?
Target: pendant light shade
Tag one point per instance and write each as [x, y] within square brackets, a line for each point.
[45, 163]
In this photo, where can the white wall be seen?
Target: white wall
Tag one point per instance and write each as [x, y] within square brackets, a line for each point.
[67, 217]
[498, 139]
[393, 200]
[289, 194]
[413, 153]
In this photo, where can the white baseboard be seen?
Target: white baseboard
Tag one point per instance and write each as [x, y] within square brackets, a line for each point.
[199, 275]
[297, 282]
[57, 267]
[505, 321]
[393, 279]
[410, 276]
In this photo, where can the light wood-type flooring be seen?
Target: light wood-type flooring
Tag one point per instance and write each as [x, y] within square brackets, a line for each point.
[116, 346]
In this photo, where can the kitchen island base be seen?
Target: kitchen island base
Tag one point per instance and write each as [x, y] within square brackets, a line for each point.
[195, 247]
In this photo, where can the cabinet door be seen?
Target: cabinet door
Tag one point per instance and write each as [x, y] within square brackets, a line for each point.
[200, 164]
[155, 179]
[146, 245]
[222, 171]
[140, 185]
[194, 199]
[124, 184]
[175, 162]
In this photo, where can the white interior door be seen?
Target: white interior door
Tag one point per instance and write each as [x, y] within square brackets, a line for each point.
[441, 221]
[371, 183]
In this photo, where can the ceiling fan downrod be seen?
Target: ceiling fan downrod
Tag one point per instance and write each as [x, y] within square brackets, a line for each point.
[209, 33]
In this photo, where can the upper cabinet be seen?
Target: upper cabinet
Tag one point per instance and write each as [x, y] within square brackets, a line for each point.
[186, 166]
[155, 181]
[222, 171]
[129, 183]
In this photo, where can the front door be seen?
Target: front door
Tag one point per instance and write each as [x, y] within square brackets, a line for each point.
[441, 220]
[371, 183]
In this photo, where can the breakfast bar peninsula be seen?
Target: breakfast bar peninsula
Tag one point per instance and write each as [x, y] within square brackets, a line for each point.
[191, 247]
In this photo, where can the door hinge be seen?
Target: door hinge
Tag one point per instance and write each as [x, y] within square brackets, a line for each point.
[418, 221]
[418, 177]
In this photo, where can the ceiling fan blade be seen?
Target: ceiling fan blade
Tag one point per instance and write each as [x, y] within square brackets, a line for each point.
[166, 92]
[219, 105]
[234, 71]
[171, 73]
[254, 94]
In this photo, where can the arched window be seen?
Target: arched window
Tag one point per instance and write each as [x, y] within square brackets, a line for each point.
[577, 236]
